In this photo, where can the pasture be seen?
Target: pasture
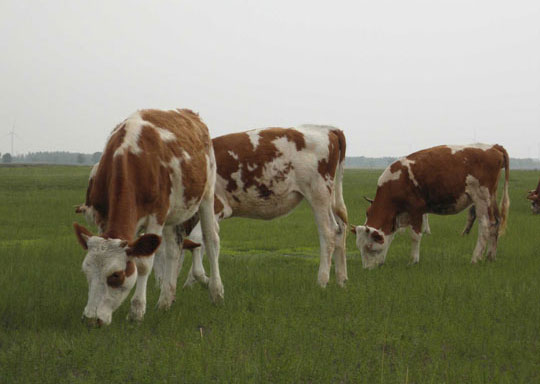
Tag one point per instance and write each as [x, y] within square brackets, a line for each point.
[442, 321]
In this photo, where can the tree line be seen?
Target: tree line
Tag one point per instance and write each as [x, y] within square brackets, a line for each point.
[70, 158]
[65, 158]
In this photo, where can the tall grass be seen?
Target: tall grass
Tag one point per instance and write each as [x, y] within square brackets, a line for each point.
[441, 321]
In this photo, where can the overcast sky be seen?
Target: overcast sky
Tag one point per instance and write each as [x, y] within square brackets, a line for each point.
[396, 76]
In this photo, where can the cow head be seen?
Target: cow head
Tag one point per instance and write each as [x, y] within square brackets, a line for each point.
[535, 201]
[110, 270]
[373, 245]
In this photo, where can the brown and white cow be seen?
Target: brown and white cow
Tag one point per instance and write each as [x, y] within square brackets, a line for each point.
[442, 180]
[157, 170]
[534, 197]
[265, 173]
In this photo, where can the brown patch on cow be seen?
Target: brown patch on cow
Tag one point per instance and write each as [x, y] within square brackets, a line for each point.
[188, 225]
[336, 152]
[188, 244]
[218, 206]
[116, 279]
[145, 245]
[377, 237]
[251, 160]
[130, 268]
[130, 186]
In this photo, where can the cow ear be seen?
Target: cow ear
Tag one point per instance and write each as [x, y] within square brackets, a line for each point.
[376, 236]
[82, 234]
[146, 245]
[191, 245]
[353, 229]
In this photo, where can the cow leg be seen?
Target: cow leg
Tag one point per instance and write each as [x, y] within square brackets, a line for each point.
[494, 222]
[417, 226]
[196, 272]
[327, 228]
[144, 268]
[415, 246]
[425, 224]
[470, 220]
[210, 228]
[483, 230]
[170, 257]
[340, 257]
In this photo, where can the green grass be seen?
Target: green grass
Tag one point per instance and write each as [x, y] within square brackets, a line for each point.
[442, 321]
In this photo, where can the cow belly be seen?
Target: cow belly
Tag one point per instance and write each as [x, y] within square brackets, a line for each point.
[454, 207]
[265, 208]
[179, 212]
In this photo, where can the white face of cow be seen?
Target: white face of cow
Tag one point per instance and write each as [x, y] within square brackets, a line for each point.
[110, 271]
[373, 245]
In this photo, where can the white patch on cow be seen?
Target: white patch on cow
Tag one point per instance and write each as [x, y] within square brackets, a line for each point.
[388, 175]
[254, 137]
[133, 127]
[407, 163]
[457, 148]
[93, 171]
[462, 202]
[164, 134]
[233, 155]
[186, 155]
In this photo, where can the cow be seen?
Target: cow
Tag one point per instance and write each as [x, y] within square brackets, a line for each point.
[157, 170]
[266, 173]
[534, 197]
[442, 180]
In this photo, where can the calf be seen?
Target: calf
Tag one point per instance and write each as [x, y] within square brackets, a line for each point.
[534, 197]
[442, 180]
[265, 173]
[157, 170]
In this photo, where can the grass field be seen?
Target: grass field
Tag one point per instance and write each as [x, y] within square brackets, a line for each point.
[442, 321]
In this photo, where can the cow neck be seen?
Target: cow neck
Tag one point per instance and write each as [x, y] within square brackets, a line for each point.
[382, 216]
[122, 215]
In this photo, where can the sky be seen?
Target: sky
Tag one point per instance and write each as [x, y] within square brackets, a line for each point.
[396, 76]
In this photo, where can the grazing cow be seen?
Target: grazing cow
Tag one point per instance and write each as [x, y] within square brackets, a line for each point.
[265, 173]
[157, 170]
[442, 180]
[534, 197]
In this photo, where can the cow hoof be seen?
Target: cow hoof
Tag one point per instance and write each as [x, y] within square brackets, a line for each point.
[190, 281]
[136, 313]
[342, 281]
[217, 293]
[323, 279]
[203, 279]
[165, 305]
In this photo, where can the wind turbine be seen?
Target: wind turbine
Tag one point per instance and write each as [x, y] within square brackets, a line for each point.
[13, 135]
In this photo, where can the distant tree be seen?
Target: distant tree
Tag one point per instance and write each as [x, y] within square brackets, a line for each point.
[6, 158]
[95, 157]
[80, 158]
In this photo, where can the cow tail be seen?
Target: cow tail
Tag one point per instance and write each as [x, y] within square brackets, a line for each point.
[505, 201]
[339, 207]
